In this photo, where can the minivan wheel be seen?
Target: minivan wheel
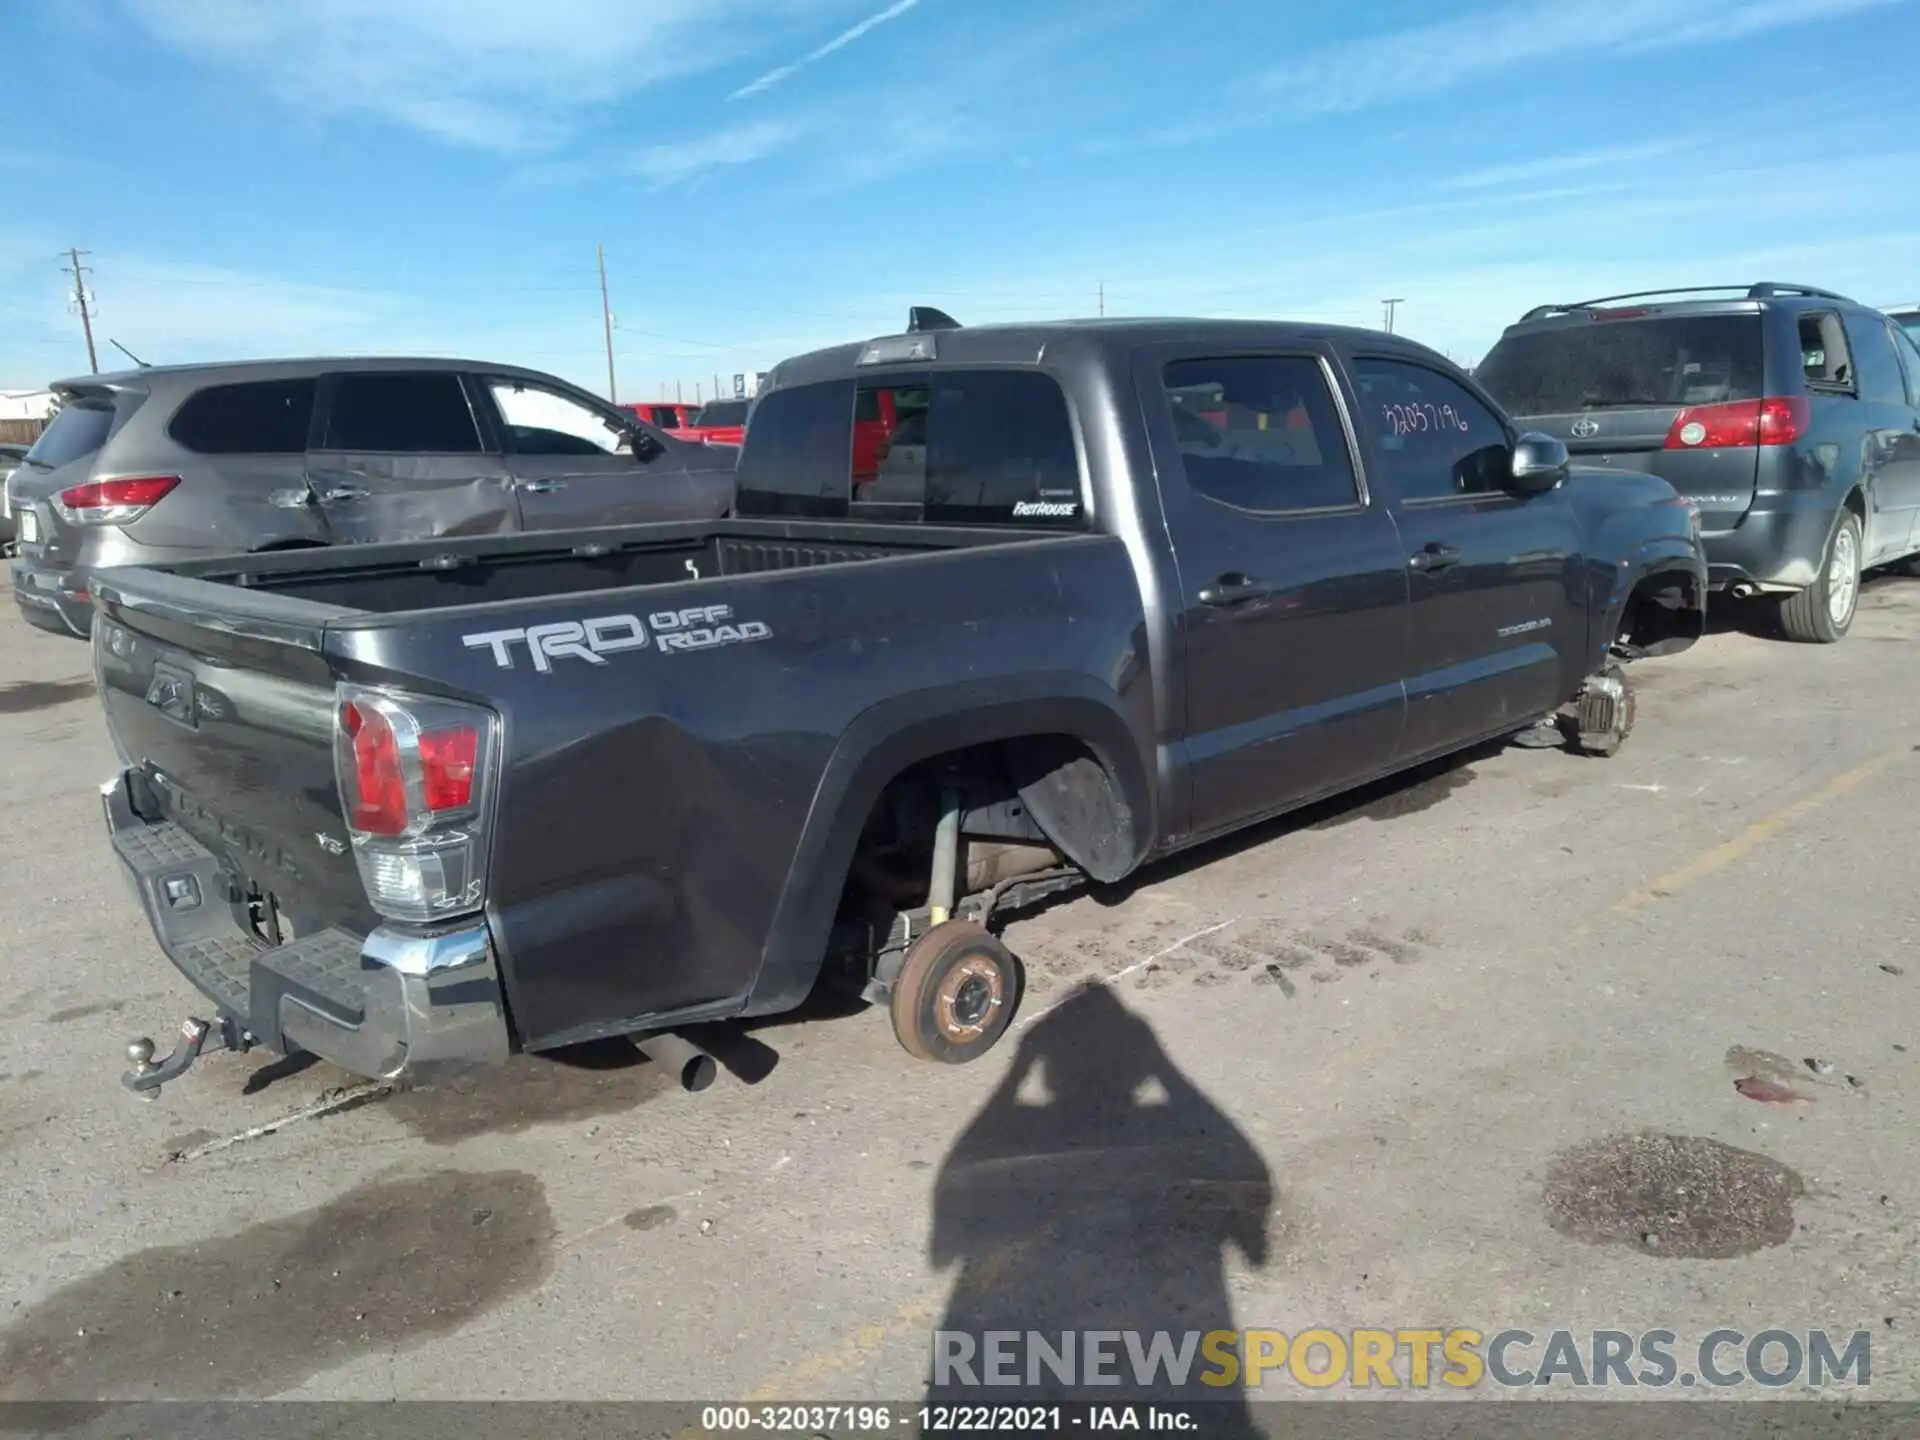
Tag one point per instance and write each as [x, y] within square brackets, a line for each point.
[1824, 611]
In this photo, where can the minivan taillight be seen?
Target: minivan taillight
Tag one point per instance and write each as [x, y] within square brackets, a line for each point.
[113, 502]
[416, 790]
[1777, 420]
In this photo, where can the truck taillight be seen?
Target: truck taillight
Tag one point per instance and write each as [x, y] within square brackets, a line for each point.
[113, 502]
[1741, 424]
[415, 789]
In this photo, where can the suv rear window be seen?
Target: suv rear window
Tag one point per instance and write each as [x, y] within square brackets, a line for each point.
[1658, 360]
[78, 428]
[264, 417]
[966, 447]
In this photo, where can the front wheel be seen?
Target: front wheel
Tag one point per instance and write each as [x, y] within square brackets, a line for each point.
[956, 994]
[1823, 612]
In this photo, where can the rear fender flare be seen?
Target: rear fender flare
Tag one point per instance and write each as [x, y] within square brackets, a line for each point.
[889, 738]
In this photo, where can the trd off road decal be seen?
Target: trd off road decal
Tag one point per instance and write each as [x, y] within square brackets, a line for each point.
[700, 627]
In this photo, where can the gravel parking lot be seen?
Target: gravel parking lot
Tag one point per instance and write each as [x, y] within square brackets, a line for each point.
[1437, 1018]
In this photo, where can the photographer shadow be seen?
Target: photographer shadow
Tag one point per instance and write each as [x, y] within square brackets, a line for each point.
[1097, 1190]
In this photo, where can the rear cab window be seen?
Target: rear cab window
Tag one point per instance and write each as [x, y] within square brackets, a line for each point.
[954, 447]
[1613, 361]
[265, 417]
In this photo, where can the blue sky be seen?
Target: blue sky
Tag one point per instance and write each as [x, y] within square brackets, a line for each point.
[771, 175]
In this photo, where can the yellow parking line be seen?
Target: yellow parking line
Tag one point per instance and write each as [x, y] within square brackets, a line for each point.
[1728, 851]
[800, 1378]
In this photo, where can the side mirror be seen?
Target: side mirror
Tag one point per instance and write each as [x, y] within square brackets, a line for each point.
[1539, 463]
[643, 444]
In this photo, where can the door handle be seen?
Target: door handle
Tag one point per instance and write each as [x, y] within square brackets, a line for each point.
[1435, 556]
[540, 487]
[1233, 588]
[345, 492]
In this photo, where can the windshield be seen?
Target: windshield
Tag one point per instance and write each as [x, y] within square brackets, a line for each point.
[723, 412]
[1677, 360]
[1909, 321]
[78, 429]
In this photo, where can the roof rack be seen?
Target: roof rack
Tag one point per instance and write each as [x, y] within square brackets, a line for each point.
[1764, 290]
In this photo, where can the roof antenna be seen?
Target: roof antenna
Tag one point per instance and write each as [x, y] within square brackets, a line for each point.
[128, 353]
[925, 317]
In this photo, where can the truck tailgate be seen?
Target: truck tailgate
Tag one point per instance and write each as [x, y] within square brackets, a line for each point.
[229, 718]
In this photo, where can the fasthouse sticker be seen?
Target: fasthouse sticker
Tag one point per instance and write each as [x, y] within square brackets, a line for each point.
[700, 627]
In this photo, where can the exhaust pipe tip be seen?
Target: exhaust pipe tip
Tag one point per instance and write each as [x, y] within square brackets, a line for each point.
[693, 1067]
[1743, 590]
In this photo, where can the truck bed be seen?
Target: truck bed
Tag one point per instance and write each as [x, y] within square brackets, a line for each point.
[417, 576]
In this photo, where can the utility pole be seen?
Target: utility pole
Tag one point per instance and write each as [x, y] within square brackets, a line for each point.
[1103, 298]
[679, 395]
[80, 299]
[606, 314]
[696, 393]
[1391, 306]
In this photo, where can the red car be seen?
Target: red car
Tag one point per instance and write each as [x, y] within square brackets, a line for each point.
[663, 414]
[720, 422]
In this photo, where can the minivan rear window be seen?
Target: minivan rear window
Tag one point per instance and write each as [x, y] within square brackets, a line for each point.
[79, 428]
[1656, 360]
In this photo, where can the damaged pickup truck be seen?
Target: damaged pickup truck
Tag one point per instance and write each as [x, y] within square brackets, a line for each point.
[1102, 591]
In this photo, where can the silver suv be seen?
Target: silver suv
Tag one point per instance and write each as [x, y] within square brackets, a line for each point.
[157, 465]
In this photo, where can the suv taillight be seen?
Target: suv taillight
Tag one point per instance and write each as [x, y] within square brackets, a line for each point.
[1778, 420]
[416, 787]
[113, 502]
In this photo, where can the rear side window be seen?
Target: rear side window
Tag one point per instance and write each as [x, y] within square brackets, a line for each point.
[1654, 360]
[1260, 433]
[78, 429]
[666, 417]
[723, 412]
[962, 447]
[1879, 368]
[267, 417]
[401, 414]
[1824, 357]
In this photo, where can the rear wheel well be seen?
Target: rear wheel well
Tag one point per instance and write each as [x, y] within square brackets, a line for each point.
[1664, 614]
[1857, 503]
[1029, 802]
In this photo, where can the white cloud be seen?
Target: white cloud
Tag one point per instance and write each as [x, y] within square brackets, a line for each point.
[503, 75]
[1548, 167]
[670, 164]
[1425, 60]
[841, 41]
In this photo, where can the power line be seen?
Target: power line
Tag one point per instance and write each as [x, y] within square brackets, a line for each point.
[80, 299]
[606, 314]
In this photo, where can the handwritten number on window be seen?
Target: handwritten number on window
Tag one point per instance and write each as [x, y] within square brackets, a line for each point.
[1420, 419]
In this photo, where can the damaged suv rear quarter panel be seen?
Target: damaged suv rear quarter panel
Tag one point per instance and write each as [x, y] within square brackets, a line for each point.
[675, 825]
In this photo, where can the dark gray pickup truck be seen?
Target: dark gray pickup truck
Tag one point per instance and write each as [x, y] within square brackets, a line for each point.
[1002, 609]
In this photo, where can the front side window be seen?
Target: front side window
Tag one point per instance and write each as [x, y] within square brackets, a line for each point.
[1260, 433]
[1433, 438]
[401, 414]
[540, 421]
[1910, 357]
[264, 417]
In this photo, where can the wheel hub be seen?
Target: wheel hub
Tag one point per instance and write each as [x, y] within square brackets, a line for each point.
[1843, 577]
[967, 997]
